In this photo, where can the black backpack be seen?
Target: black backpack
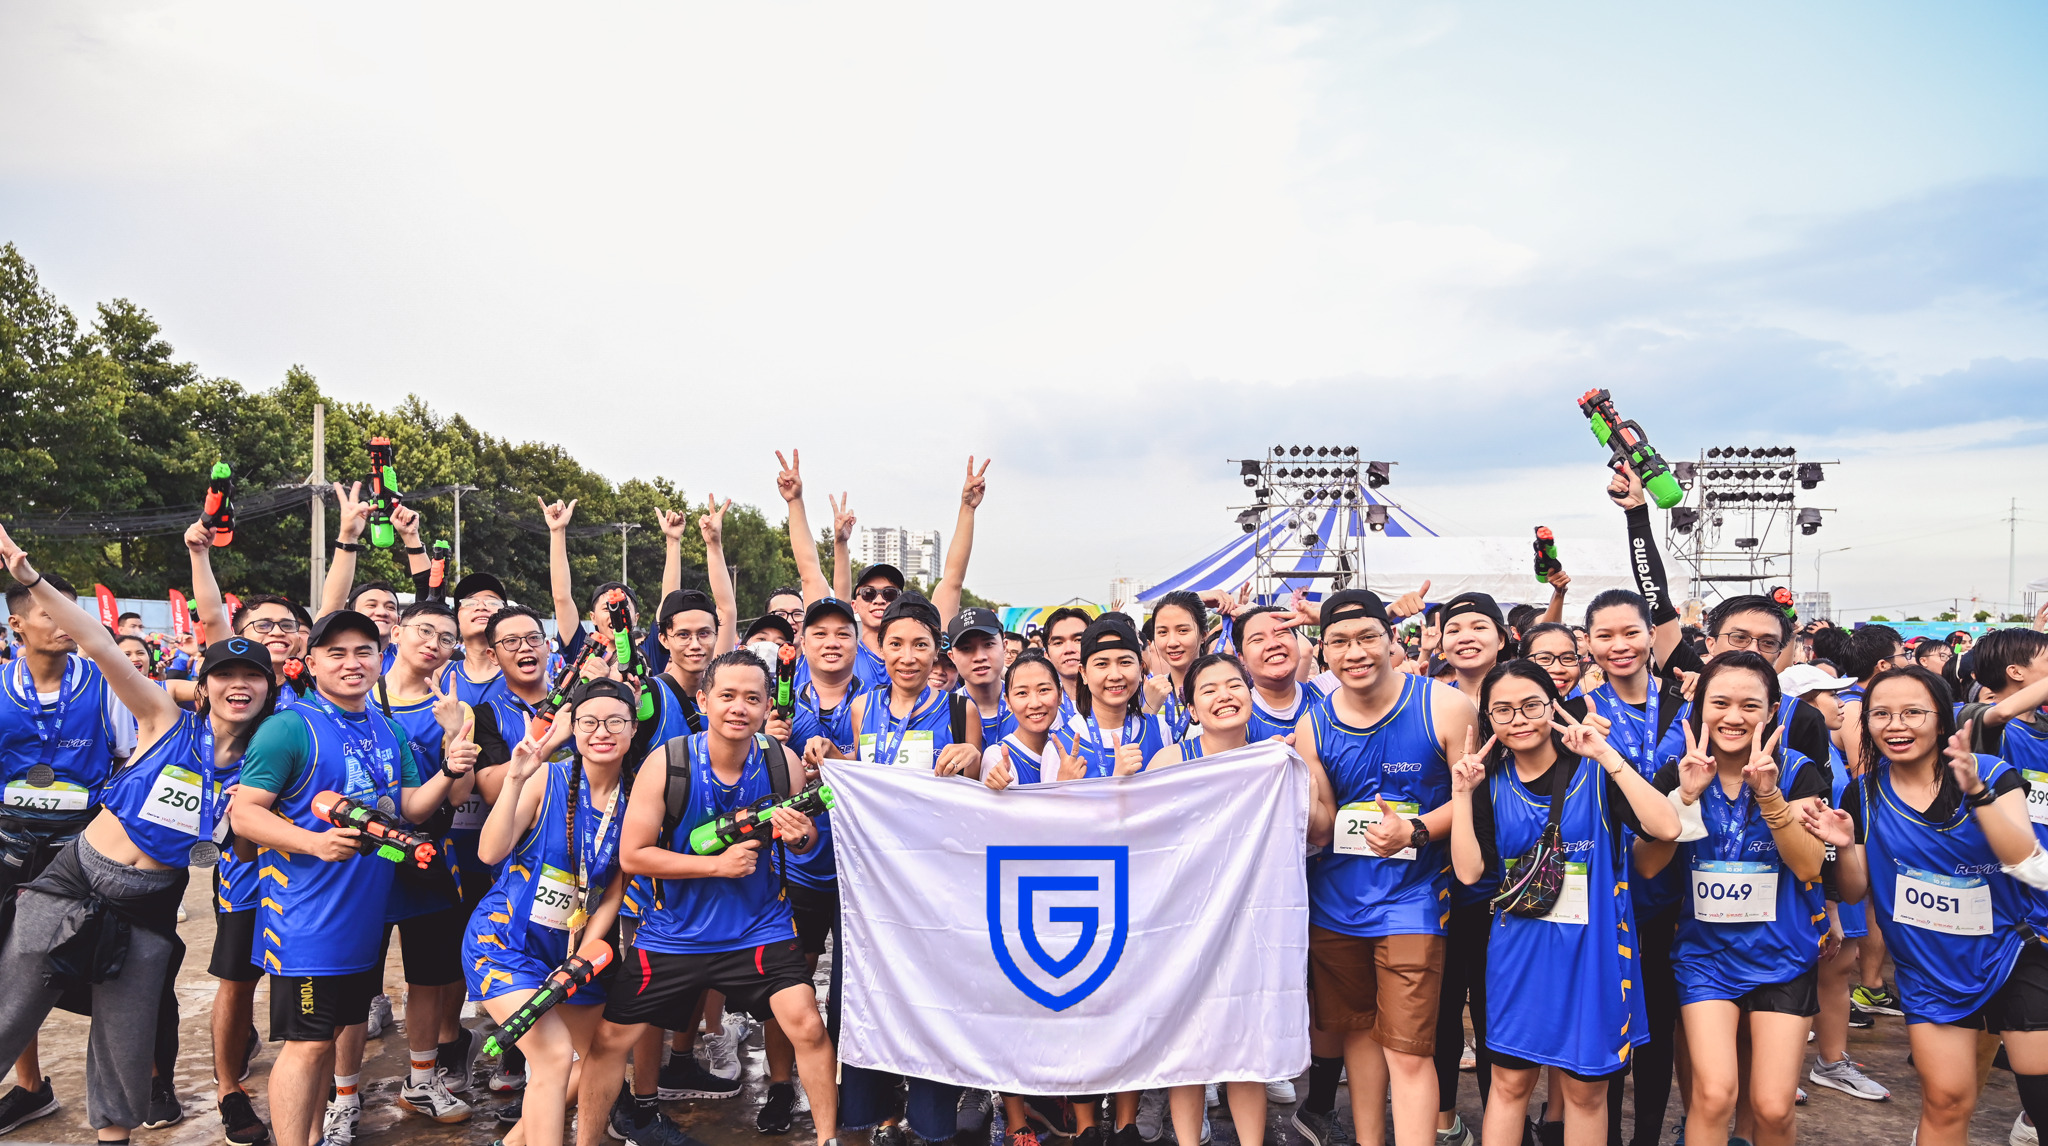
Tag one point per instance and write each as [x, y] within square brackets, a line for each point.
[676, 792]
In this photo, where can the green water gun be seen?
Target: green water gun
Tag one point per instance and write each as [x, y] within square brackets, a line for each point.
[1631, 448]
[384, 494]
[578, 970]
[625, 652]
[752, 821]
[1546, 554]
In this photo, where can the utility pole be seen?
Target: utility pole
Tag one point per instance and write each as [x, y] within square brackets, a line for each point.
[2012, 534]
[318, 565]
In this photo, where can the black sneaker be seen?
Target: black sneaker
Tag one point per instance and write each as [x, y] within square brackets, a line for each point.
[249, 1050]
[453, 1061]
[659, 1131]
[626, 1116]
[512, 1112]
[164, 1107]
[1089, 1137]
[779, 1112]
[24, 1105]
[1550, 1134]
[1860, 1018]
[1127, 1136]
[685, 1077]
[238, 1121]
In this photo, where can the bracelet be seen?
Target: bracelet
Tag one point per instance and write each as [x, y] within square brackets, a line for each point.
[1983, 798]
[419, 549]
[34, 583]
[348, 546]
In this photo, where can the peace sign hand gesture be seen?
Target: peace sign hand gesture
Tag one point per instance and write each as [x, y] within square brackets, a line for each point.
[448, 711]
[1583, 739]
[1761, 773]
[1470, 769]
[789, 481]
[711, 523]
[842, 517]
[529, 756]
[1963, 762]
[353, 512]
[1073, 766]
[1695, 768]
[976, 486]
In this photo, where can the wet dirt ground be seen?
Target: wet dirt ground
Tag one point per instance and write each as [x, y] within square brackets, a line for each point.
[1829, 1117]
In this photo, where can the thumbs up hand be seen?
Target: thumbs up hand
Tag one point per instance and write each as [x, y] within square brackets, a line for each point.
[1391, 834]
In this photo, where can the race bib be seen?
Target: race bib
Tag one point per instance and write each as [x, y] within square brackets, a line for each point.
[554, 898]
[1952, 905]
[915, 751]
[174, 800]
[470, 814]
[1731, 891]
[1571, 904]
[1354, 819]
[2037, 795]
[58, 797]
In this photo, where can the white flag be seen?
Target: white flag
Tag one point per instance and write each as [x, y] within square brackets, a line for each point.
[1075, 938]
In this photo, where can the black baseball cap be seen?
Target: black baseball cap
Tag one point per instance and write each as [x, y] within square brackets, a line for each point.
[237, 650]
[765, 622]
[597, 595]
[603, 686]
[828, 607]
[974, 621]
[1479, 603]
[1109, 631]
[884, 570]
[685, 601]
[914, 607]
[1352, 605]
[479, 583]
[337, 622]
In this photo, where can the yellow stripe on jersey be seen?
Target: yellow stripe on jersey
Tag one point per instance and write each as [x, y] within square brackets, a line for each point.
[268, 871]
[484, 988]
[272, 905]
[272, 937]
[270, 961]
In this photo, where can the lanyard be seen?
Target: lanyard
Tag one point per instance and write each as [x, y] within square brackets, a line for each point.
[599, 855]
[1124, 733]
[891, 736]
[1636, 739]
[209, 802]
[712, 785]
[34, 703]
[1734, 830]
[364, 742]
[1175, 712]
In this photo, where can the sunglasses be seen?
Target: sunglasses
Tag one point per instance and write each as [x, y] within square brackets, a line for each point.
[887, 593]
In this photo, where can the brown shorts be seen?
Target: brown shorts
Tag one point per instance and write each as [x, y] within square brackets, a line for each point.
[1387, 985]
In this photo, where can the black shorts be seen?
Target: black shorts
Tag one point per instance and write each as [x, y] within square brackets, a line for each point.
[234, 945]
[663, 989]
[817, 915]
[1510, 1062]
[1800, 996]
[2021, 1004]
[431, 946]
[313, 1008]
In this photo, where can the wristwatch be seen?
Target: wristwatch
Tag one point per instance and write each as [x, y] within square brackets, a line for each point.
[1420, 839]
[349, 546]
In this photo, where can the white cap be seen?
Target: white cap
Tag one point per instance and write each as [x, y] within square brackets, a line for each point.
[1802, 679]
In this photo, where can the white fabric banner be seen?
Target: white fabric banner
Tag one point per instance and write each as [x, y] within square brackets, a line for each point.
[1075, 938]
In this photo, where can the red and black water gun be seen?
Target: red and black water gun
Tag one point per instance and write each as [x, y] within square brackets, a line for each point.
[219, 514]
[1546, 554]
[626, 653]
[785, 683]
[384, 835]
[561, 983]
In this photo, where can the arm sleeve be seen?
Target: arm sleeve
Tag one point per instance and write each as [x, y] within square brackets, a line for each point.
[1482, 825]
[276, 753]
[1647, 566]
[1809, 737]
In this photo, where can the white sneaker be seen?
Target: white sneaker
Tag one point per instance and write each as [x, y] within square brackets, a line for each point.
[1151, 1115]
[720, 1052]
[338, 1127]
[1468, 1059]
[505, 1083]
[2023, 1133]
[1211, 1099]
[1280, 1093]
[431, 1098]
[1844, 1076]
[380, 1016]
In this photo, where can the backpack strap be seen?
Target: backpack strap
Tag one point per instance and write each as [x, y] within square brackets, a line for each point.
[676, 791]
[959, 704]
[777, 761]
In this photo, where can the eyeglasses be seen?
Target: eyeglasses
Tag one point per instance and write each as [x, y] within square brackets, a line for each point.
[435, 636]
[1371, 638]
[1505, 713]
[267, 627]
[698, 636]
[791, 615]
[616, 725]
[483, 603]
[1910, 717]
[526, 640]
[1545, 660]
[888, 593]
[1764, 645]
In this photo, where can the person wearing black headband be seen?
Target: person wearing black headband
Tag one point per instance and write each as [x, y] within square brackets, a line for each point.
[904, 720]
[1107, 727]
[1379, 751]
[1473, 639]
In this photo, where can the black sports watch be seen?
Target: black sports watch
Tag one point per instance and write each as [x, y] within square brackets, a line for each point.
[1420, 839]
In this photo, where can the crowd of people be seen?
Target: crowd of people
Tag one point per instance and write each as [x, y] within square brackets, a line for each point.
[1596, 849]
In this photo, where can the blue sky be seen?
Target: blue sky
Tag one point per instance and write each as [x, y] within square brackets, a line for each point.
[1110, 246]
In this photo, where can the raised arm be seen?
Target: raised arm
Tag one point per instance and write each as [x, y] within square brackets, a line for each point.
[1646, 565]
[206, 599]
[567, 619]
[672, 523]
[842, 546]
[153, 707]
[341, 564]
[789, 482]
[1559, 582]
[946, 594]
[711, 523]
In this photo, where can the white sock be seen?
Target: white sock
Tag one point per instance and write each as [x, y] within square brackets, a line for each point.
[345, 1089]
[422, 1074]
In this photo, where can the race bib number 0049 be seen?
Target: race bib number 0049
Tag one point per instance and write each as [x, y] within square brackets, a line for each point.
[1729, 891]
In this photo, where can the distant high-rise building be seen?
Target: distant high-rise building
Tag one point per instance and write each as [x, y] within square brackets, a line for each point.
[1811, 607]
[916, 553]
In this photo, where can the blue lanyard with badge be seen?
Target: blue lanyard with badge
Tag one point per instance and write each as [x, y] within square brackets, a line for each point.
[188, 802]
[890, 739]
[49, 725]
[1730, 888]
[365, 745]
[1125, 735]
[1634, 725]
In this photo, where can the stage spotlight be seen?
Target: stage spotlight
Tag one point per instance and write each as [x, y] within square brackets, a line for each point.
[1684, 518]
[1683, 471]
[1742, 452]
[1714, 452]
[1810, 475]
[1350, 451]
[1809, 521]
[1378, 474]
[1745, 543]
[1294, 451]
[1376, 517]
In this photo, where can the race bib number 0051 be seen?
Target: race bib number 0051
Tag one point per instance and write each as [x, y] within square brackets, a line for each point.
[1952, 905]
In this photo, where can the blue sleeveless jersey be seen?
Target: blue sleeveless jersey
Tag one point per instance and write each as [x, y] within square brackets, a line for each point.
[170, 786]
[473, 692]
[914, 740]
[1265, 725]
[415, 718]
[712, 915]
[1716, 960]
[73, 737]
[997, 725]
[818, 868]
[1558, 993]
[1945, 876]
[316, 917]
[1398, 758]
[507, 947]
[1855, 921]
[1075, 732]
[2026, 748]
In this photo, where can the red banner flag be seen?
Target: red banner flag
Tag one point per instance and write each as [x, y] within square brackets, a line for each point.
[110, 613]
[234, 605]
[181, 618]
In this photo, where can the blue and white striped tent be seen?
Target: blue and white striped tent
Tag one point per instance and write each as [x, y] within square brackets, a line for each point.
[1229, 567]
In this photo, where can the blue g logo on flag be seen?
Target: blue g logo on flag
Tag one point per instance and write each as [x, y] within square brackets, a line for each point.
[1058, 918]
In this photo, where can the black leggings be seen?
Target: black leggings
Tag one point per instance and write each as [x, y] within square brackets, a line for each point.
[1652, 1060]
[1464, 977]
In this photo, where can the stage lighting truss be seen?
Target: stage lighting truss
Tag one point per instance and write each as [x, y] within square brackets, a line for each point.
[1734, 531]
[1306, 496]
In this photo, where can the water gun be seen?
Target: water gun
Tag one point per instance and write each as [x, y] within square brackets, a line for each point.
[555, 701]
[1546, 554]
[561, 983]
[297, 675]
[437, 573]
[1631, 448]
[384, 835]
[384, 494]
[1782, 597]
[785, 683]
[626, 652]
[219, 514]
[752, 821]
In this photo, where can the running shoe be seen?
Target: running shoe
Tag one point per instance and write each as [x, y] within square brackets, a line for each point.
[23, 1105]
[1844, 1076]
[431, 1099]
[380, 1016]
[1280, 1093]
[1468, 1059]
[455, 1061]
[1021, 1136]
[1879, 1000]
[684, 1077]
[721, 1052]
[164, 1107]
[659, 1131]
[2023, 1133]
[626, 1115]
[505, 1082]
[238, 1122]
[1457, 1135]
[779, 1112]
[1861, 1019]
[1152, 1115]
[970, 1118]
[1799, 1096]
[1323, 1129]
[338, 1127]
[1128, 1136]
[1212, 1096]
[510, 1113]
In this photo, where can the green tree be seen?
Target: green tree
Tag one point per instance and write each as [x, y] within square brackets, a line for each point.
[1981, 616]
